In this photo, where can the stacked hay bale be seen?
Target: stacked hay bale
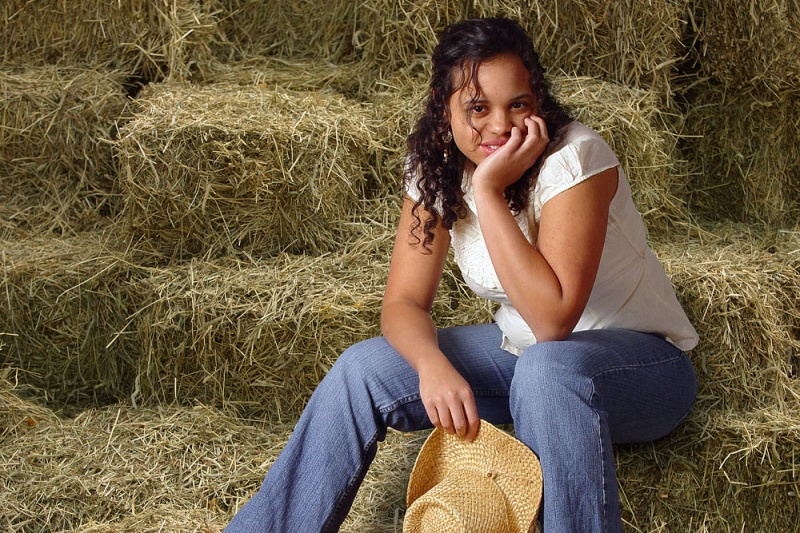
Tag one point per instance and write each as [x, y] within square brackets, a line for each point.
[633, 42]
[148, 39]
[66, 70]
[743, 131]
[66, 308]
[213, 170]
[57, 173]
[156, 469]
[241, 228]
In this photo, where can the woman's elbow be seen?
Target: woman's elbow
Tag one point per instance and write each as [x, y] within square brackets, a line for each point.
[552, 334]
[556, 330]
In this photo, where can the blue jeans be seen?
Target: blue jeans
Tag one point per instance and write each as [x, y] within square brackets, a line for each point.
[569, 402]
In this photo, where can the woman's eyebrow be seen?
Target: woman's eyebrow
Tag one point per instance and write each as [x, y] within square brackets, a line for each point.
[521, 96]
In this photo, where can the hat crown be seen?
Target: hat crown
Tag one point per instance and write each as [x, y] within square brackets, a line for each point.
[464, 502]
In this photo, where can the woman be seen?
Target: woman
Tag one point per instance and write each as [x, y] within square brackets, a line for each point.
[588, 346]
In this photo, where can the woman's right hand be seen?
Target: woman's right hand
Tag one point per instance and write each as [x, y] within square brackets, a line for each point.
[448, 399]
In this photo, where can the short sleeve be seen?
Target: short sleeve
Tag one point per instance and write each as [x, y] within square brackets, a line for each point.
[582, 154]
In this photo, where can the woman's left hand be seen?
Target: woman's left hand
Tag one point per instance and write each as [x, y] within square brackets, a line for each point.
[507, 164]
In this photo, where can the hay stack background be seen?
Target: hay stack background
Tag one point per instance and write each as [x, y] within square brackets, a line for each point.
[57, 173]
[744, 148]
[182, 264]
[149, 39]
[212, 170]
[742, 126]
[634, 42]
[63, 307]
[745, 43]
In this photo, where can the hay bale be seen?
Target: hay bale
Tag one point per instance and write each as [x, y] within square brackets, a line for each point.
[256, 337]
[176, 469]
[219, 169]
[746, 43]
[721, 471]
[92, 320]
[634, 42]
[119, 469]
[354, 80]
[150, 39]
[17, 413]
[65, 311]
[743, 146]
[289, 28]
[56, 166]
[742, 295]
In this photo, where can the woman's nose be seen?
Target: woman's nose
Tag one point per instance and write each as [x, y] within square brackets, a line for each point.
[500, 122]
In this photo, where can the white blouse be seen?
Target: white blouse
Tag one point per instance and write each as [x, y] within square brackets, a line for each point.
[631, 291]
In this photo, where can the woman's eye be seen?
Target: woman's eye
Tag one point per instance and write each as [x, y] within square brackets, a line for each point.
[478, 109]
[519, 105]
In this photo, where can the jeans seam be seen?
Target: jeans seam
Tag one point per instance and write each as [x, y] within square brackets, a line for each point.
[353, 481]
[598, 418]
[623, 368]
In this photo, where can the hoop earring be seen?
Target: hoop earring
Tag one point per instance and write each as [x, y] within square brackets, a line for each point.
[447, 138]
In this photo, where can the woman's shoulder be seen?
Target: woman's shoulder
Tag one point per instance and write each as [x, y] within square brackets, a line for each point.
[580, 153]
[577, 135]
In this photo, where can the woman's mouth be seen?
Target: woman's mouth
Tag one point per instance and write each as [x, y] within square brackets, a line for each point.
[489, 147]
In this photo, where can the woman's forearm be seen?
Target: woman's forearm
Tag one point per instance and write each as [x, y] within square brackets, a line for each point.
[527, 278]
[410, 331]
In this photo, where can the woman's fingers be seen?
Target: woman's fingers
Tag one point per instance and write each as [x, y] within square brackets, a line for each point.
[537, 132]
[458, 417]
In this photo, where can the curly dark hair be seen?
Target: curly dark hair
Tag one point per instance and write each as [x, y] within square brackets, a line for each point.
[435, 164]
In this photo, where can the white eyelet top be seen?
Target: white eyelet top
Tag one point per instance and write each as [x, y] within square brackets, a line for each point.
[631, 291]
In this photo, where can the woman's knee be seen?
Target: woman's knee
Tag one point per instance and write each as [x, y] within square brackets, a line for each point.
[372, 363]
[547, 374]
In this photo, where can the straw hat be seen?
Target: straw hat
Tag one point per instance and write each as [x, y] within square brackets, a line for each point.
[490, 485]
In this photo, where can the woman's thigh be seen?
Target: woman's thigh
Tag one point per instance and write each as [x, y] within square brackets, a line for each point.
[643, 384]
[394, 385]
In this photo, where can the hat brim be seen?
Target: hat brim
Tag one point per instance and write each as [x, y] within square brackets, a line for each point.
[511, 465]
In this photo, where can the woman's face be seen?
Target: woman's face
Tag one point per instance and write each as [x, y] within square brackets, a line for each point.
[504, 101]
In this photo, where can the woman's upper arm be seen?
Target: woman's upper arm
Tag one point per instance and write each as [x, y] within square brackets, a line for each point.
[414, 274]
[571, 236]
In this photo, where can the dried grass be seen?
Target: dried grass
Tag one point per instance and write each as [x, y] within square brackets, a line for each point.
[56, 165]
[174, 469]
[722, 471]
[220, 169]
[287, 29]
[741, 290]
[634, 42]
[94, 322]
[63, 302]
[744, 146]
[255, 337]
[354, 80]
[149, 39]
[117, 468]
[191, 468]
[747, 43]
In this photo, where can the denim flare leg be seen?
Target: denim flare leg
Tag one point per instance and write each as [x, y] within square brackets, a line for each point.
[569, 402]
